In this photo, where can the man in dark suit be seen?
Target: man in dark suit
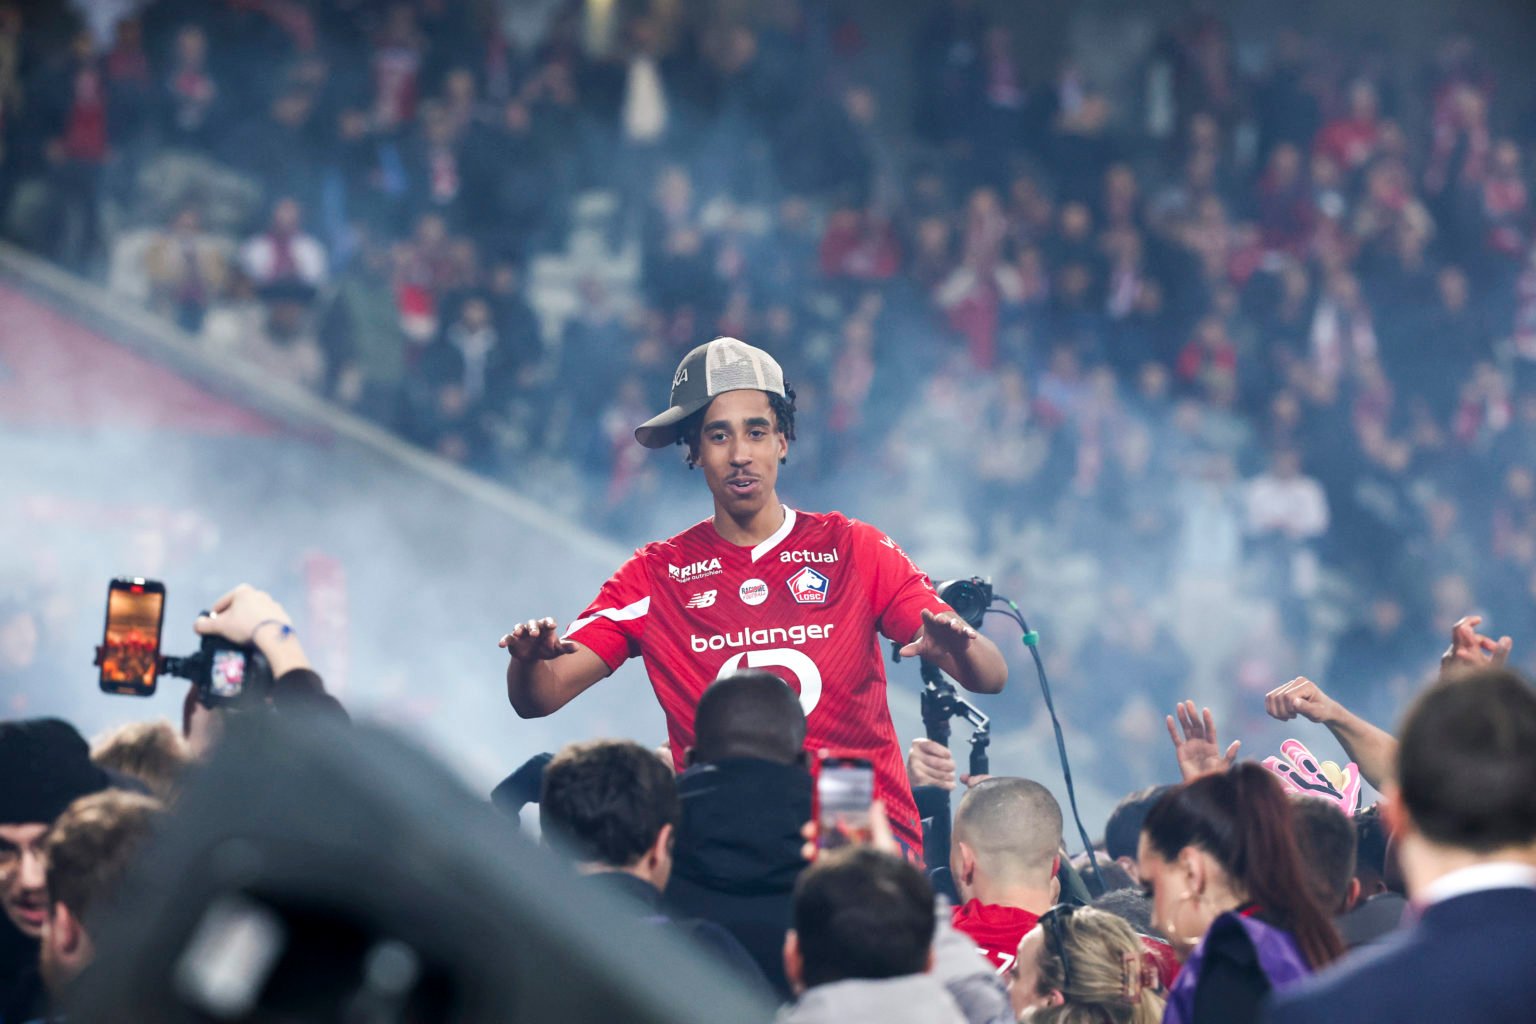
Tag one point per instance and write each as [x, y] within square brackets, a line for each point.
[1464, 814]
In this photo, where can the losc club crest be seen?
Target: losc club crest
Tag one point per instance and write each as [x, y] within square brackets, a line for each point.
[808, 587]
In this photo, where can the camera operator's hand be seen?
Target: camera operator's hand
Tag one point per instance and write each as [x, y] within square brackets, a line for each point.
[929, 763]
[536, 640]
[251, 617]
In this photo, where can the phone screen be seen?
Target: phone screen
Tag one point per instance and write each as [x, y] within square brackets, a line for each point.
[845, 789]
[130, 647]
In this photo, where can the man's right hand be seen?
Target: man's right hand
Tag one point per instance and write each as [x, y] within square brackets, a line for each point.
[1301, 696]
[536, 640]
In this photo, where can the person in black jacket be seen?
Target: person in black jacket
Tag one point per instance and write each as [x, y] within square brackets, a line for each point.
[254, 618]
[744, 798]
[611, 807]
[45, 765]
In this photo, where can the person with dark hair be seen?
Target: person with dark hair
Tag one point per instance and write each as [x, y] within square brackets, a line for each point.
[88, 851]
[46, 765]
[1378, 912]
[1463, 813]
[611, 807]
[1219, 857]
[758, 585]
[862, 943]
[743, 800]
[1327, 843]
[1123, 829]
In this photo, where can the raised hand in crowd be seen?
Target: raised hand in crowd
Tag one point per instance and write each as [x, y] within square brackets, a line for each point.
[881, 838]
[1198, 751]
[251, 617]
[1369, 746]
[930, 763]
[1469, 649]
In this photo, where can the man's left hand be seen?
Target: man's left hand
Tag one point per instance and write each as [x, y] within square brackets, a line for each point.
[946, 633]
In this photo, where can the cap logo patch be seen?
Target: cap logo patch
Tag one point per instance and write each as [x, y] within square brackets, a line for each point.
[680, 377]
[809, 587]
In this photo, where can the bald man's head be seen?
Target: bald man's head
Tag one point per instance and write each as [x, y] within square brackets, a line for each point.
[1012, 830]
[748, 714]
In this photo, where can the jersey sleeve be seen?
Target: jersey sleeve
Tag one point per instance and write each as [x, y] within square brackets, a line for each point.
[612, 624]
[899, 589]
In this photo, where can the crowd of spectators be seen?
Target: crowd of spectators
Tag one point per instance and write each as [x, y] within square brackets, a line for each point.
[1239, 894]
[1228, 355]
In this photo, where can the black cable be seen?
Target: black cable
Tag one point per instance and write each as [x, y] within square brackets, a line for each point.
[1032, 641]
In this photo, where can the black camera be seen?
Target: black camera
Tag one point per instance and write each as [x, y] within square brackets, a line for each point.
[969, 598]
[226, 675]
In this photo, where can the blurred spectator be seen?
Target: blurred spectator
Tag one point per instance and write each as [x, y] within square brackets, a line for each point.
[188, 269]
[743, 799]
[1122, 831]
[1465, 814]
[365, 347]
[46, 765]
[74, 114]
[1351, 139]
[191, 93]
[1230, 892]
[1326, 838]
[862, 943]
[151, 752]
[612, 808]
[1380, 909]
[1082, 963]
[1004, 853]
[88, 850]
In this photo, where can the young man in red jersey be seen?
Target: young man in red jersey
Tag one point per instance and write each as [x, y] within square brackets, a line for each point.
[758, 585]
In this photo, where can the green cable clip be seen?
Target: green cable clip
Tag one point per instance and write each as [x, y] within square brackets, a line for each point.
[1032, 638]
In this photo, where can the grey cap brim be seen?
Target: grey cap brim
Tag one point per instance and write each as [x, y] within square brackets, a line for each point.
[661, 430]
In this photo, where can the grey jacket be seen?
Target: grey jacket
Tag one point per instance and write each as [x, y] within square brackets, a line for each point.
[962, 988]
[912, 999]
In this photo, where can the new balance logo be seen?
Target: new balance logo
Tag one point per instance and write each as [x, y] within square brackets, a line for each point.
[703, 599]
[809, 556]
[706, 567]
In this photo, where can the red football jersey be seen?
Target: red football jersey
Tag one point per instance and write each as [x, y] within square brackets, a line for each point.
[995, 929]
[808, 604]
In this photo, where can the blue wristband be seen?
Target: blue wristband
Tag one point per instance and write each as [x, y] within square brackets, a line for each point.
[287, 630]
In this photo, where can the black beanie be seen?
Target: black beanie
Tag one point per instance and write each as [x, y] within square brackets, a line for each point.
[44, 765]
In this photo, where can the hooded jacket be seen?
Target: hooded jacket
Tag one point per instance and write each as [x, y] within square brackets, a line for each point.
[737, 853]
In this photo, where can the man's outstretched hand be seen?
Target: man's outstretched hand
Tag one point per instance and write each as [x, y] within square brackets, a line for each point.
[536, 640]
[1198, 752]
[946, 633]
[1471, 650]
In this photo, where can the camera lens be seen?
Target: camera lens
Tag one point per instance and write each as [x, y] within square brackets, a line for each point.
[969, 598]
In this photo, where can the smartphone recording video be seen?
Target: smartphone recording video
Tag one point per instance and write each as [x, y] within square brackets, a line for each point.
[845, 792]
[130, 645]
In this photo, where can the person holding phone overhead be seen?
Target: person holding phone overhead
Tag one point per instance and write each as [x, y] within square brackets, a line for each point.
[760, 585]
